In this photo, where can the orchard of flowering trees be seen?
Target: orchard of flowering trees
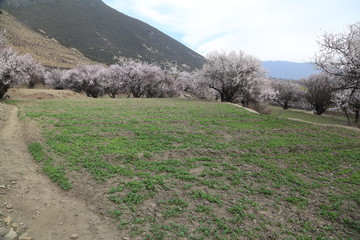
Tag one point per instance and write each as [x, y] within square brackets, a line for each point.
[230, 77]
[132, 78]
[226, 76]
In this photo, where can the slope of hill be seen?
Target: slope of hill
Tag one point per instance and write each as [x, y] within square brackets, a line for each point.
[288, 70]
[45, 50]
[100, 32]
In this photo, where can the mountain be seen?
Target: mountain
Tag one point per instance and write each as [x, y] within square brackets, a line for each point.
[45, 50]
[100, 32]
[289, 70]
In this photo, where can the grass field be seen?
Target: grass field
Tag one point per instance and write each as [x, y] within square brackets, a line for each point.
[185, 169]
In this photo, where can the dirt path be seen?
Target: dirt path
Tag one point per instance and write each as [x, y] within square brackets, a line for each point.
[30, 202]
[326, 125]
[300, 120]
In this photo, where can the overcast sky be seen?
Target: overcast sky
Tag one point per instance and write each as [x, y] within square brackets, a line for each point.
[268, 29]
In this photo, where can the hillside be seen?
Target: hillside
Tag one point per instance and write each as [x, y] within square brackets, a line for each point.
[45, 50]
[100, 32]
[288, 70]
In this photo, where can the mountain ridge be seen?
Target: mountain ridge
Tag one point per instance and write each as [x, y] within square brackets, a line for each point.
[100, 32]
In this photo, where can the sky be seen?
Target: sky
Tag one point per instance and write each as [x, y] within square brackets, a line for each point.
[277, 30]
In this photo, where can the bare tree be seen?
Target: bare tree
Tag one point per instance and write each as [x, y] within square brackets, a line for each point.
[319, 92]
[233, 75]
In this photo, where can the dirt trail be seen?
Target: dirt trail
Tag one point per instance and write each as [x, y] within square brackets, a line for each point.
[49, 212]
[326, 125]
[300, 120]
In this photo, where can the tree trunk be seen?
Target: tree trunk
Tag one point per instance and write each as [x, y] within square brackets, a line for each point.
[319, 110]
[3, 89]
[111, 94]
[134, 93]
[347, 115]
[356, 115]
[286, 105]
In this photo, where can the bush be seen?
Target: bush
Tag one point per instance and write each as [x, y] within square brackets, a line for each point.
[260, 108]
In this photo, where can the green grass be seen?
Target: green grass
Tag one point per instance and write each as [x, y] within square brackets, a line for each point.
[325, 118]
[185, 169]
[55, 172]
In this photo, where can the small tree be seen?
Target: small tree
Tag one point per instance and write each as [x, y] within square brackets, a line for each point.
[55, 79]
[7, 56]
[195, 84]
[14, 69]
[34, 70]
[156, 85]
[233, 75]
[72, 80]
[286, 93]
[114, 80]
[92, 78]
[134, 80]
[319, 91]
[140, 77]
[168, 86]
[348, 100]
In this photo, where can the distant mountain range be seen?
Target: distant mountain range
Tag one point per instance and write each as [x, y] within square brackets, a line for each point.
[100, 32]
[289, 70]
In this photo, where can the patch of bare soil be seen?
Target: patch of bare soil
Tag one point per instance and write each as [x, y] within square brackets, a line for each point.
[248, 109]
[30, 204]
[25, 93]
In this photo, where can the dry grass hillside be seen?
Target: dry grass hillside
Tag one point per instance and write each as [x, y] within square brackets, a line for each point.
[46, 51]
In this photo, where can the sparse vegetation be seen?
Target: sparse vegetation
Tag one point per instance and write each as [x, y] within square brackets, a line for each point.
[45, 50]
[177, 168]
